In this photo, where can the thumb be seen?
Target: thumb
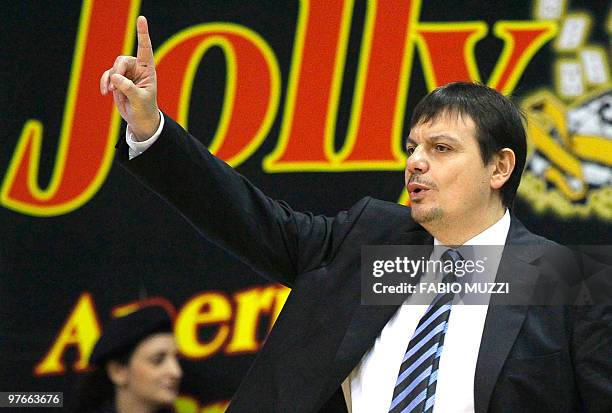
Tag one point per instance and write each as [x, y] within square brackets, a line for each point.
[124, 85]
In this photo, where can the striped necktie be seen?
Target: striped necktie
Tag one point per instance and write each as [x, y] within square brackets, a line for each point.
[415, 388]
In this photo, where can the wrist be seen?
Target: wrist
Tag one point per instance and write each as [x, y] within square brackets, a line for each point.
[146, 129]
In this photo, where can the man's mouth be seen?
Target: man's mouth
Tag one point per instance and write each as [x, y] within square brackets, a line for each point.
[416, 190]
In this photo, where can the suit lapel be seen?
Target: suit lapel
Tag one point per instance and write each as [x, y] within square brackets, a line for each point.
[368, 321]
[502, 325]
[503, 322]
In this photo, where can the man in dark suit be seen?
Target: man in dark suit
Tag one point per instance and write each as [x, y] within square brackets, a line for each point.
[327, 351]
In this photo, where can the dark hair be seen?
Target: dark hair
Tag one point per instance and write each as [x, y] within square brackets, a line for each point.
[499, 123]
[95, 389]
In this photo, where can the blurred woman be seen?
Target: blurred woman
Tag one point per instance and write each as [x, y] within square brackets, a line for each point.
[137, 369]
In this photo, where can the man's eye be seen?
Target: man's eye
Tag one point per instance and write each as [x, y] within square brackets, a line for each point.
[410, 150]
[442, 148]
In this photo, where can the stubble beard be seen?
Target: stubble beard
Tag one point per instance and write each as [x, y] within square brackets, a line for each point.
[428, 216]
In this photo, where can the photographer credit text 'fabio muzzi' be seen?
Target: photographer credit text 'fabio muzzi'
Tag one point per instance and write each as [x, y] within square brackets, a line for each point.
[485, 274]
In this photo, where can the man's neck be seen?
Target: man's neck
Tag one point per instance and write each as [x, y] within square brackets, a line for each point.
[458, 232]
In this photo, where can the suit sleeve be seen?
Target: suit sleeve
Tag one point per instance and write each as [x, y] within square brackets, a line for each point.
[592, 338]
[231, 212]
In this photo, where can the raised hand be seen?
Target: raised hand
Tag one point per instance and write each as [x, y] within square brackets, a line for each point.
[133, 82]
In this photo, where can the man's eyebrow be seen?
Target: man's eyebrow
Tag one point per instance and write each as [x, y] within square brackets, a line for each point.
[441, 136]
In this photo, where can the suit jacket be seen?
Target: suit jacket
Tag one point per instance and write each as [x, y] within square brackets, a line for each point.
[544, 359]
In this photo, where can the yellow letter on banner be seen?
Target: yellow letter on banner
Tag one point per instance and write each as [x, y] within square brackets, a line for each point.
[81, 330]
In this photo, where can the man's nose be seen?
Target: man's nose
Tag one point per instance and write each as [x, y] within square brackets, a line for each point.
[417, 162]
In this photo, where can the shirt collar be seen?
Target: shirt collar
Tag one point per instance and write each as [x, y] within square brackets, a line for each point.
[496, 234]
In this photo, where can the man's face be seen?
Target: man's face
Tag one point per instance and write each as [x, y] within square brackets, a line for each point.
[445, 176]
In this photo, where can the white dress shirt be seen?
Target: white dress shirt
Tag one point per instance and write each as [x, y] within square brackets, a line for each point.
[369, 387]
[136, 148]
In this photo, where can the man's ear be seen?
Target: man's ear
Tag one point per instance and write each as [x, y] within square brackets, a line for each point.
[503, 164]
[117, 372]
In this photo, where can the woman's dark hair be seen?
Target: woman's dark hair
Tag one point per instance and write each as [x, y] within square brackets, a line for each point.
[121, 337]
[499, 123]
[95, 388]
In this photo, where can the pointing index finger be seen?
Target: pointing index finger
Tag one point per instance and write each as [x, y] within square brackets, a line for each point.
[144, 54]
